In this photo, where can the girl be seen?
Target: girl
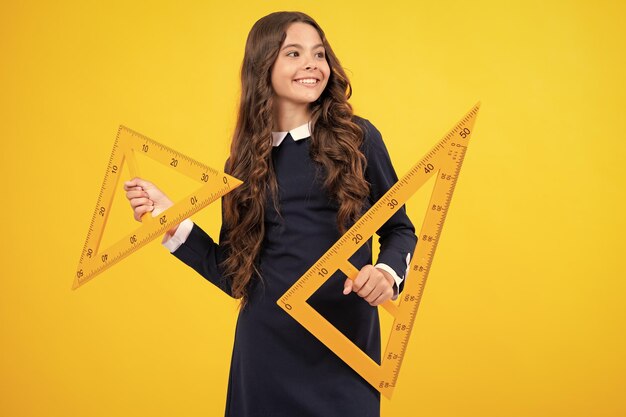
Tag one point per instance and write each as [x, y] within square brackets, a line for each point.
[310, 168]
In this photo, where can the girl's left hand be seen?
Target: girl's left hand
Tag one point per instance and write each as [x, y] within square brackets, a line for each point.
[372, 284]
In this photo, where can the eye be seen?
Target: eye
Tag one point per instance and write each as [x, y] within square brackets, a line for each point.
[292, 52]
[321, 54]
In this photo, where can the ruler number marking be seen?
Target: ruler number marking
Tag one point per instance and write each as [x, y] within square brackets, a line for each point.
[447, 168]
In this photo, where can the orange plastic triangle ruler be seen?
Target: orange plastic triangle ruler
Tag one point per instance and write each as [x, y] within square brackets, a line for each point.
[214, 184]
[444, 160]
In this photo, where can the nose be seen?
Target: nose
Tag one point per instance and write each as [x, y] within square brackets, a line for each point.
[310, 66]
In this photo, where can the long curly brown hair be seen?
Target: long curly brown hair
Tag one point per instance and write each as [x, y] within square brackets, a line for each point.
[335, 145]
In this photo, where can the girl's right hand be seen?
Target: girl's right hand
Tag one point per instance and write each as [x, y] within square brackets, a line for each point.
[145, 197]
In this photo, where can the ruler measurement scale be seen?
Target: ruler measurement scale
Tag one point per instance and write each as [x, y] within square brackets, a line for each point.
[215, 184]
[444, 160]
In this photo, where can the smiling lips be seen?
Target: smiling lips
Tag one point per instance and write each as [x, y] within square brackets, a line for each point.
[307, 81]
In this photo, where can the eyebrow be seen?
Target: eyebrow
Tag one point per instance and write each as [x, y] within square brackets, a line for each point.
[297, 45]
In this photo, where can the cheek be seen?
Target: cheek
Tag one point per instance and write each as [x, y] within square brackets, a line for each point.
[281, 76]
[273, 80]
[278, 81]
[326, 71]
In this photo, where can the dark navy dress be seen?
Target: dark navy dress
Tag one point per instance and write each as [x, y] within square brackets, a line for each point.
[278, 368]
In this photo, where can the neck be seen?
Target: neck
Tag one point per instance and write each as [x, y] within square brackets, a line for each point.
[289, 116]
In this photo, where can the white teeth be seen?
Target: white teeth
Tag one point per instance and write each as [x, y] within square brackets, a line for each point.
[307, 81]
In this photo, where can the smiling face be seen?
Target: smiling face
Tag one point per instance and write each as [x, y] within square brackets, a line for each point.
[300, 73]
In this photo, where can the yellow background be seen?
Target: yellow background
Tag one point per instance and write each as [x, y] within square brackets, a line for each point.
[523, 314]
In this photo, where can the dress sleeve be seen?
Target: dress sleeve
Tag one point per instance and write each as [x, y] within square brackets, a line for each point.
[397, 237]
[204, 255]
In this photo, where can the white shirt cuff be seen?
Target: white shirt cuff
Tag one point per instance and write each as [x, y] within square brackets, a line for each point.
[174, 241]
[395, 276]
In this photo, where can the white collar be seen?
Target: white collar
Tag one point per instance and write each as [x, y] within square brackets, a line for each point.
[300, 132]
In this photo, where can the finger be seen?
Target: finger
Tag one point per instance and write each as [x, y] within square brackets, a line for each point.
[136, 202]
[367, 288]
[137, 183]
[130, 184]
[362, 277]
[141, 210]
[143, 183]
[374, 294]
[383, 289]
[128, 189]
[384, 297]
[347, 286]
[136, 194]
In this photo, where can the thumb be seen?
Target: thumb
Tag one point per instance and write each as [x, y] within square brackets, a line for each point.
[347, 286]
